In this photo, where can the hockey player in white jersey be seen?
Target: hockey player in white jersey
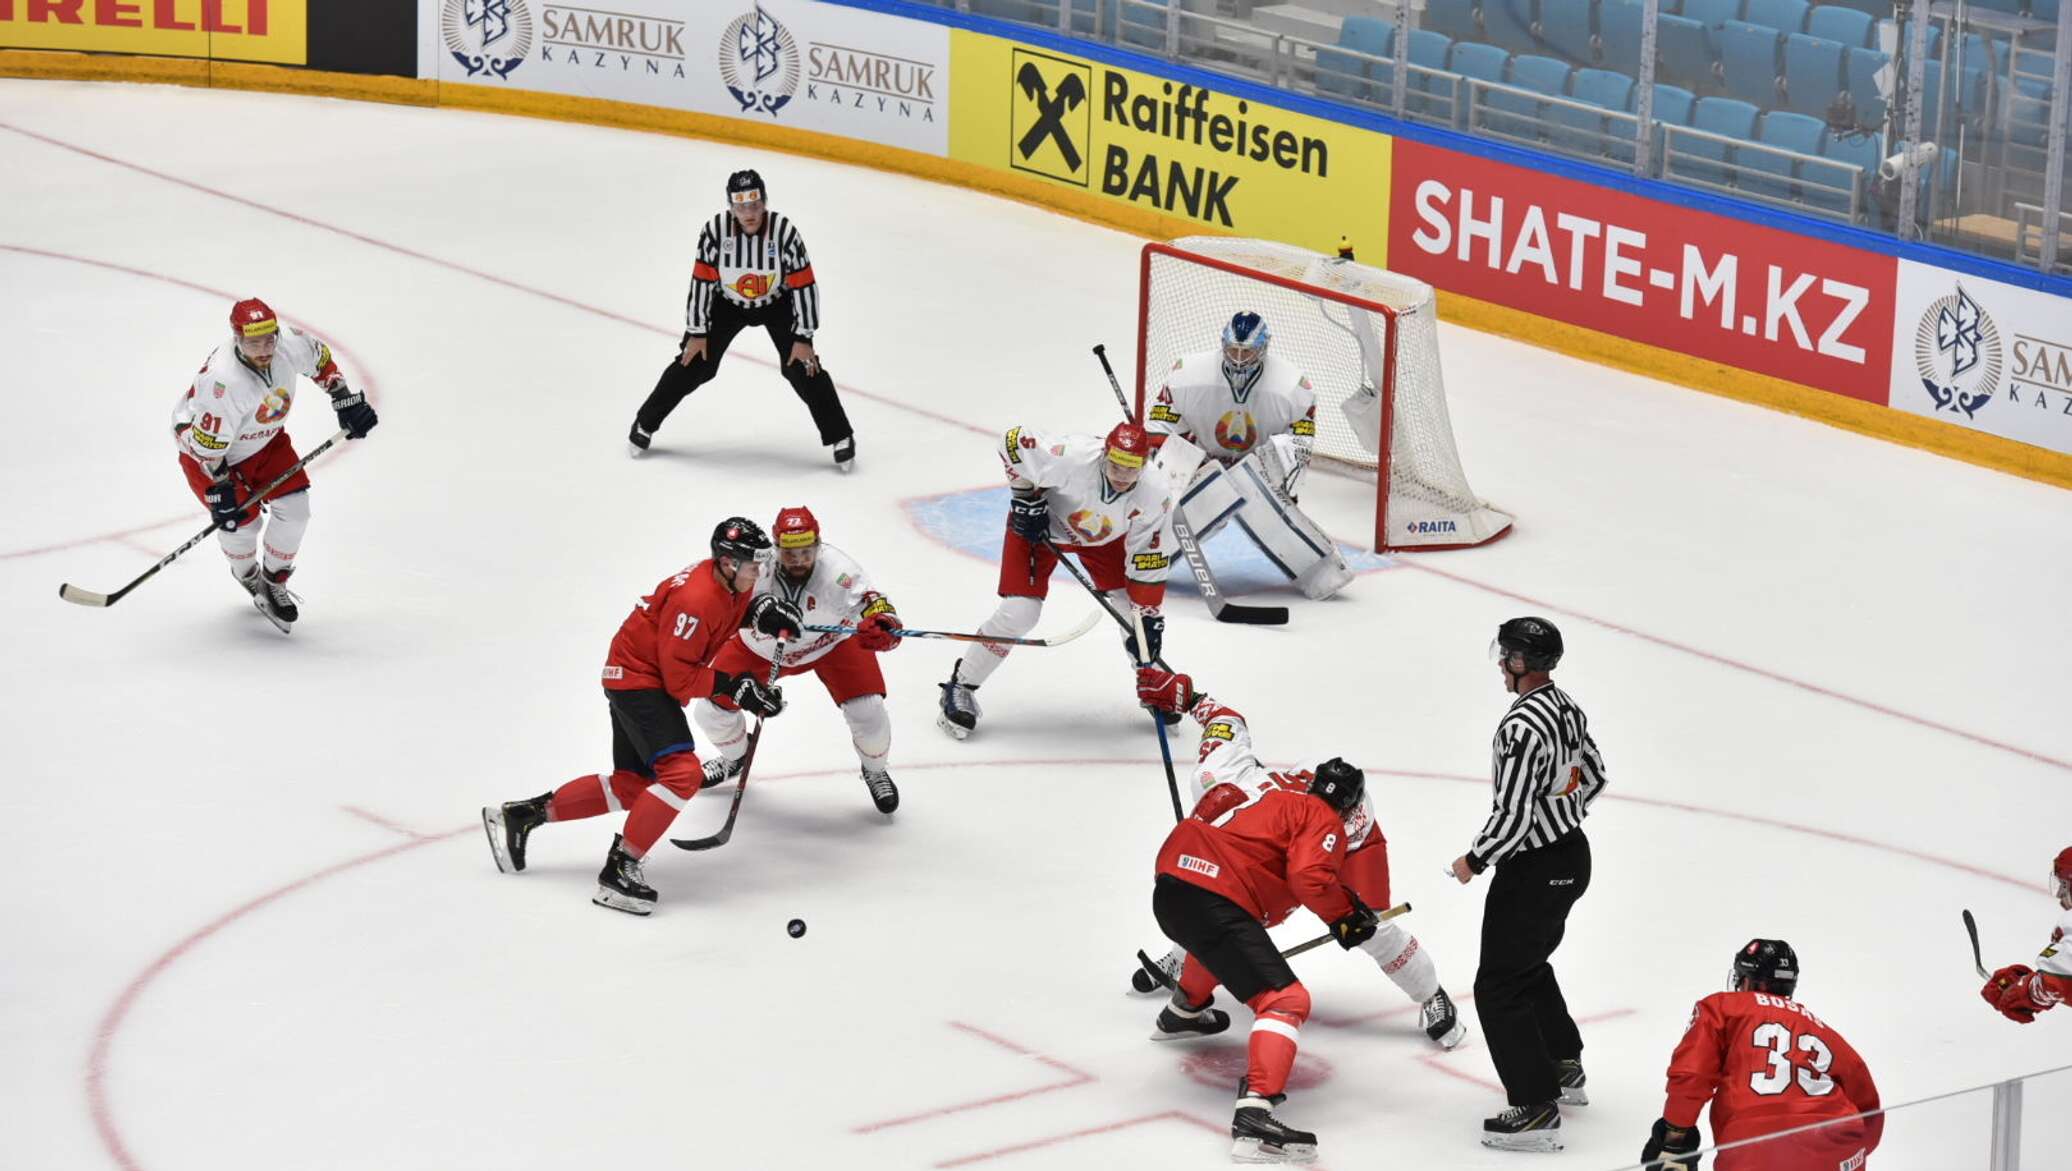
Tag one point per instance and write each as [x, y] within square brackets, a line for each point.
[1096, 498]
[2019, 991]
[1227, 757]
[1235, 428]
[829, 588]
[230, 427]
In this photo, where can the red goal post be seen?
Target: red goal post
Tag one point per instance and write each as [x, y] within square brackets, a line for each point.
[1368, 341]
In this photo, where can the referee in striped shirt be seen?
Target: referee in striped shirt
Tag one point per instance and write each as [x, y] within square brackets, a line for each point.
[751, 269]
[1547, 771]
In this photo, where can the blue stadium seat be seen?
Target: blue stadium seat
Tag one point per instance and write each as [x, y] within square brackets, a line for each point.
[1786, 16]
[1565, 29]
[1618, 33]
[1348, 76]
[1545, 75]
[1507, 24]
[2028, 112]
[1906, 39]
[1860, 67]
[1751, 55]
[1812, 73]
[1477, 60]
[1825, 187]
[1672, 105]
[1980, 53]
[1711, 13]
[1141, 28]
[1584, 133]
[1723, 116]
[1970, 100]
[1851, 26]
[1368, 34]
[1421, 93]
[1341, 74]
[1774, 175]
[1453, 19]
[1688, 57]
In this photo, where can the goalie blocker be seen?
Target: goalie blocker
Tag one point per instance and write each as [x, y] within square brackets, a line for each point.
[1256, 494]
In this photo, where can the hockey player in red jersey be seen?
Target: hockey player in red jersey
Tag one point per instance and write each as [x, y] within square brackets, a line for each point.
[1257, 845]
[1767, 1065]
[2019, 991]
[826, 584]
[660, 661]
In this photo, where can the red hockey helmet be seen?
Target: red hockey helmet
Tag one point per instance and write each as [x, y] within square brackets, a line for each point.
[797, 529]
[252, 317]
[1128, 447]
[2061, 877]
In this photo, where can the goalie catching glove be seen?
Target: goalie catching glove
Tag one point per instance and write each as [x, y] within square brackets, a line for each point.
[749, 693]
[878, 630]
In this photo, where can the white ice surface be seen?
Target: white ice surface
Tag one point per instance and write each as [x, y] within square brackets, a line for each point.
[248, 917]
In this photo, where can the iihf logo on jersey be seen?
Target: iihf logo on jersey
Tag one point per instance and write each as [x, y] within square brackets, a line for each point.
[759, 62]
[487, 36]
[1957, 354]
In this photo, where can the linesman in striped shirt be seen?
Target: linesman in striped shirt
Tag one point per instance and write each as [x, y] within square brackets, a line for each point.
[1547, 771]
[751, 269]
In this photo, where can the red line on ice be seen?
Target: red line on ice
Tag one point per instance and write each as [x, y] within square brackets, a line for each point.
[1078, 1077]
[1110, 1128]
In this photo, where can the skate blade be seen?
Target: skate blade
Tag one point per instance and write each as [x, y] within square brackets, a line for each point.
[259, 604]
[607, 897]
[1575, 1096]
[1452, 1038]
[955, 731]
[1538, 1142]
[1258, 1150]
[493, 825]
[1158, 1034]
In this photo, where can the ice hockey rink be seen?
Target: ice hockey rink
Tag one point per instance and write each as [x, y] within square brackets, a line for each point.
[249, 917]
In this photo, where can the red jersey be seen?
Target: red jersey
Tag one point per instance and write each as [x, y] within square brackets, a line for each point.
[1265, 844]
[1767, 1064]
[673, 634]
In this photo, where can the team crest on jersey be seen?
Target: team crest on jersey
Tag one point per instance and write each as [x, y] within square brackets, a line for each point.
[1083, 523]
[219, 390]
[275, 408]
[1237, 431]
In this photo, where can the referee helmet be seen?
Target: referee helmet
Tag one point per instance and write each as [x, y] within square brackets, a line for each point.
[1534, 638]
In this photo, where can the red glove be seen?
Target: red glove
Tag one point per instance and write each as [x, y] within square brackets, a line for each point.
[1162, 690]
[2008, 991]
[876, 633]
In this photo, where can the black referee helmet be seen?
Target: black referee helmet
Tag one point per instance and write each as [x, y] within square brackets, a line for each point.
[1535, 638]
[741, 184]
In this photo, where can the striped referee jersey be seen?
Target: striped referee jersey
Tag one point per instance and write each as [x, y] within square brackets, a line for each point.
[752, 271]
[1547, 771]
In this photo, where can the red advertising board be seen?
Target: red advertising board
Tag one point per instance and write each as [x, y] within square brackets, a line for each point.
[1761, 299]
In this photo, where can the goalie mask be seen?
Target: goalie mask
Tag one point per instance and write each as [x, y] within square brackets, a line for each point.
[1245, 341]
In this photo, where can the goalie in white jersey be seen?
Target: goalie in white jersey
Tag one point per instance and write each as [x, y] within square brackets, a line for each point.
[1097, 498]
[231, 428]
[1235, 428]
[828, 588]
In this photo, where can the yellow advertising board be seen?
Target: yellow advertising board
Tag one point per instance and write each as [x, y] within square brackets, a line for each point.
[1081, 128]
[275, 31]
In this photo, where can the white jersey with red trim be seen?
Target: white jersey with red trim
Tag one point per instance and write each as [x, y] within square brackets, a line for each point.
[232, 410]
[1084, 510]
[1226, 757]
[1197, 403]
[836, 593]
[2056, 957]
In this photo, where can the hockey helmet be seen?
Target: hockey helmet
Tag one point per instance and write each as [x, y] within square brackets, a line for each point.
[2061, 876]
[1245, 341]
[1535, 638]
[1341, 785]
[1765, 965]
[741, 539]
[1127, 447]
[252, 317]
[746, 187]
[796, 528]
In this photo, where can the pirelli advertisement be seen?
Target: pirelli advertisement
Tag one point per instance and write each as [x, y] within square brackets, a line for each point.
[271, 31]
[1224, 163]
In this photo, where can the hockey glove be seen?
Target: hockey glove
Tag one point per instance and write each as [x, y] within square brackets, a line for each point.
[750, 694]
[1154, 633]
[223, 506]
[1670, 1148]
[1162, 690]
[879, 632]
[1029, 517]
[773, 616]
[354, 415]
[2008, 991]
[1357, 926]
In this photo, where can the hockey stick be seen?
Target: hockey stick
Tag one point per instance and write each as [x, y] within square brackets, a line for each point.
[1159, 977]
[755, 737]
[1978, 960]
[1165, 747]
[77, 596]
[1220, 608]
[1079, 575]
[1085, 625]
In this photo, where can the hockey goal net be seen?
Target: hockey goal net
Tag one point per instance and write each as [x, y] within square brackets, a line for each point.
[1368, 340]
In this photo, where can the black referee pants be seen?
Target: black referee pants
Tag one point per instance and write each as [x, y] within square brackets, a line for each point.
[1525, 1020]
[816, 390]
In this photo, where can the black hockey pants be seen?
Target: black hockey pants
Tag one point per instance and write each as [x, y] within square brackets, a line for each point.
[816, 390]
[1525, 1020]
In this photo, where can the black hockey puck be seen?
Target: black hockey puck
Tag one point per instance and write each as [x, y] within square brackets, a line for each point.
[796, 927]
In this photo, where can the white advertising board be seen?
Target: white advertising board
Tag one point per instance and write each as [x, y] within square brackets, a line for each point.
[1985, 355]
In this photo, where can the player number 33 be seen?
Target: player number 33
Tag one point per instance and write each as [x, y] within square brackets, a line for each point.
[1812, 1072]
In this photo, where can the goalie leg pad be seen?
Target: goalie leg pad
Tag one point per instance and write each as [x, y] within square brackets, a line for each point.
[1293, 542]
[1210, 502]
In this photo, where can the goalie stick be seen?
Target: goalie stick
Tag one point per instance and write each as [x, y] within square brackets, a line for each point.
[1085, 625]
[1978, 960]
[1159, 977]
[1220, 607]
[755, 737]
[82, 597]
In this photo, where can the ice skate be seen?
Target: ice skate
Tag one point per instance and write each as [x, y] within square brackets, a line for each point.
[508, 825]
[273, 600]
[718, 771]
[1569, 1076]
[959, 705]
[1440, 1022]
[1177, 1022]
[637, 440]
[621, 885]
[884, 794]
[1256, 1136]
[845, 454]
[1524, 1128]
[1143, 983]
